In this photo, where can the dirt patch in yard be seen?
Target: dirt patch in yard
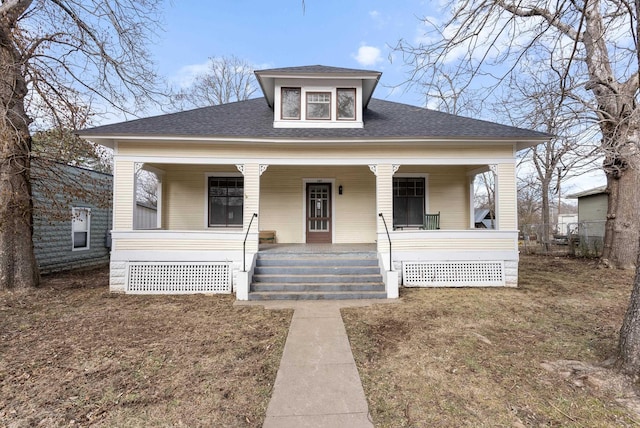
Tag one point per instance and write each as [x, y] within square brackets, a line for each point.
[499, 357]
[71, 353]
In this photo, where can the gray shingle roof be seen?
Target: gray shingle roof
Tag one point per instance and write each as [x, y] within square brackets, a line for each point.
[254, 119]
[316, 69]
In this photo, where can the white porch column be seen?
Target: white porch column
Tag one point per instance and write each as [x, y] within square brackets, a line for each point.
[472, 214]
[384, 201]
[507, 214]
[252, 173]
[124, 194]
[506, 196]
[384, 205]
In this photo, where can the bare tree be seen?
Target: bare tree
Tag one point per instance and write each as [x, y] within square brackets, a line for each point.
[147, 188]
[529, 204]
[64, 146]
[591, 45]
[537, 102]
[57, 55]
[226, 79]
[593, 42]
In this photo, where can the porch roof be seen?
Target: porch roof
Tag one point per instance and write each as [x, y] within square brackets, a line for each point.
[384, 120]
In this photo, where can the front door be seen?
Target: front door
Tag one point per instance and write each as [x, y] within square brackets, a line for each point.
[318, 213]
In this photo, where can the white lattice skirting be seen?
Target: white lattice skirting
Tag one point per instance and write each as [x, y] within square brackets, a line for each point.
[453, 274]
[178, 277]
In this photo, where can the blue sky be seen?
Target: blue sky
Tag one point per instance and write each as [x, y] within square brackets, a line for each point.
[279, 33]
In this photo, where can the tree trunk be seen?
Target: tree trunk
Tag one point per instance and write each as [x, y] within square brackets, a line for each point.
[622, 229]
[628, 360]
[18, 267]
[546, 218]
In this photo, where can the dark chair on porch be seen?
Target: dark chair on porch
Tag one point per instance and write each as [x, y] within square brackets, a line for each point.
[431, 221]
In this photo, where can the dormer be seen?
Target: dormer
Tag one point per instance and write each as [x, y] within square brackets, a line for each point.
[317, 96]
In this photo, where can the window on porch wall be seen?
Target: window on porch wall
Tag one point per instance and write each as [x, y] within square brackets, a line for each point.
[226, 197]
[408, 201]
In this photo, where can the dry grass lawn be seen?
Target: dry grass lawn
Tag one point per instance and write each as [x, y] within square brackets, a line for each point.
[498, 357]
[72, 354]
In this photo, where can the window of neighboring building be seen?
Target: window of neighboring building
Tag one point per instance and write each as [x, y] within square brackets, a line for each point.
[318, 105]
[80, 227]
[346, 104]
[290, 108]
[408, 201]
[226, 197]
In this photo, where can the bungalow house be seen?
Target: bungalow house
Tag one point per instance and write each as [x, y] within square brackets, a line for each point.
[317, 163]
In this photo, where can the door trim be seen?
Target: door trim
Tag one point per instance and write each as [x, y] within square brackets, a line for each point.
[332, 182]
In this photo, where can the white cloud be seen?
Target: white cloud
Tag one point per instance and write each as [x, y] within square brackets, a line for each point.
[368, 55]
[186, 74]
[374, 14]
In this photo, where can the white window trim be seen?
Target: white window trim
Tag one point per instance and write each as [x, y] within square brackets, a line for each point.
[329, 102]
[426, 188]
[325, 85]
[73, 217]
[206, 199]
[355, 106]
[282, 89]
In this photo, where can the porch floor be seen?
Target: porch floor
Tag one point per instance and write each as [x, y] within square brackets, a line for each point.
[316, 248]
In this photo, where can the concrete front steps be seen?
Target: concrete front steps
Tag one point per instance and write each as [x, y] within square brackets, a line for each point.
[317, 276]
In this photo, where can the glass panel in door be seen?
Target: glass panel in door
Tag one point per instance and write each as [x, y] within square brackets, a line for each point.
[318, 213]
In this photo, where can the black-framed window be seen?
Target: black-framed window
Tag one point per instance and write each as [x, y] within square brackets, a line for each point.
[290, 104]
[226, 197]
[346, 103]
[408, 201]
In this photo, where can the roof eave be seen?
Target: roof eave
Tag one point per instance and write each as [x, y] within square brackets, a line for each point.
[110, 140]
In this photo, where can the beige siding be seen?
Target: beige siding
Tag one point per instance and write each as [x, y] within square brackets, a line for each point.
[123, 189]
[430, 241]
[177, 244]
[448, 193]
[184, 189]
[356, 208]
[282, 202]
[281, 192]
[265, 151]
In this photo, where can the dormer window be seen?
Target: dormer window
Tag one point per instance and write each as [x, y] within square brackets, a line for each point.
[318, 105]
[346, 104]
[291, 103]
[318, 96]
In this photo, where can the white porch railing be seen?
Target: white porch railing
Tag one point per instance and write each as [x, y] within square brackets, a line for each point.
[453, 257]
[183, 240]
[185, 261]
[455, 244]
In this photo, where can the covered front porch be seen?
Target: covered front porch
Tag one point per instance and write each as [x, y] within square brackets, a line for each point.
[211, 216]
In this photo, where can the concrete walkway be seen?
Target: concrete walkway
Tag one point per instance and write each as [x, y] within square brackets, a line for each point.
[317, 384]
